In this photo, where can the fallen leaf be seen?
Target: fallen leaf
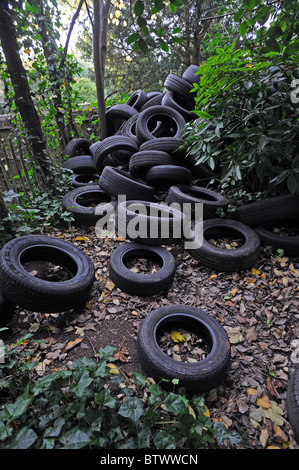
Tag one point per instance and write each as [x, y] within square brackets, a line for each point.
[279, 434]
[176, 336]
[251, 391]
[234, 334]
[112, 368]
[264, 436]
[264, 402]
[110, 285]
[255, 272]
[275, 413]
[71, 344]
[83, 239]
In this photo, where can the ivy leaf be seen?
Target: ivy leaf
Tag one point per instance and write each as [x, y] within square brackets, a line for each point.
[23, 439]
[132, 408]
[104, 398]
[75, 439]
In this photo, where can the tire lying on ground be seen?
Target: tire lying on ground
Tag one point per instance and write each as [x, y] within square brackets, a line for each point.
[289, 243]
[292, 402]
[80, 164]
[224, 259]
[43, 295]
[268, 210]
[6, 311]
[149, 223]
[118, 182]
[88, 204]
[137, 99]
[77, 146]
[141, 284]
[193, 195]
[197, 377]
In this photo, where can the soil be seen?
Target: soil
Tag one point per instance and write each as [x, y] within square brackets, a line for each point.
[257, 307]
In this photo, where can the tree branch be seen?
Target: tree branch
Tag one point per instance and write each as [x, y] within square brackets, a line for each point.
[74, 19]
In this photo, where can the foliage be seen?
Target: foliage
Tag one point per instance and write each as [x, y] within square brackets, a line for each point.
[92, 405]
[36, 214]
[245, 96]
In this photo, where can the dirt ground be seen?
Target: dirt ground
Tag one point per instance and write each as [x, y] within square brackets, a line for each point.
[258, 309]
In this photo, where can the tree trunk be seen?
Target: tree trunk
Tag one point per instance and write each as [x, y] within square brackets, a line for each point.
[100, 12]
[55, 74]
[21, 88]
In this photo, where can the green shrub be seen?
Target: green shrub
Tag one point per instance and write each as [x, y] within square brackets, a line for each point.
[248, 124]
[93, 405]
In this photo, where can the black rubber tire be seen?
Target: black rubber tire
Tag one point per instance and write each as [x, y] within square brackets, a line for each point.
[290, 244]
[128, 129]
[180, 104]
[78, 202]
[117, 115]
[6, 311]
[179, 86]
[172, 121]
[210, 200]
[161, 225]
[118, 182]
[137, 99]
[109, 146]
[292, 402]
[198, 377]
[143, 285]
[165, 144]
[153, 100]
[80, 164]
[190, 74]
[41, 295]
[268, 210]
[222, 259]
[82, 180]
[77, 146]
[168, 175]
[140, 162]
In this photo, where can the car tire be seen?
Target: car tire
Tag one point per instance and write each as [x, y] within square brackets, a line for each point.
[196, 378]
[41, 295]
[84, 179]
[134, 283]
[160, 225]
[269, 210]
[110, 146]
[168, 175]
[80, 164]
[193, 195]
[222, 259]
[119, 182]
[140, 162]
[292, 402]
[6, 311]
[172, 121]
[77, 146]
[116, 116]
[289, 244]
[88, 204]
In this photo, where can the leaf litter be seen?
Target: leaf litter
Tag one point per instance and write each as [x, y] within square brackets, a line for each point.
[258, 308]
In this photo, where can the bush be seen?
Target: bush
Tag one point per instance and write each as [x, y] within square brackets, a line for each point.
[248, 123]
[92, 405]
